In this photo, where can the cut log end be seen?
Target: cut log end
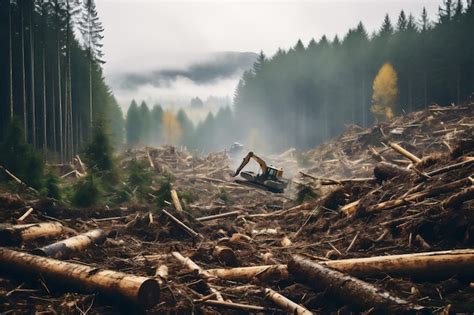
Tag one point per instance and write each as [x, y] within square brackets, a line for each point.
[148, 293]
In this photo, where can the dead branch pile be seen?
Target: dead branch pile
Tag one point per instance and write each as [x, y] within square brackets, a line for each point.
[393, 191]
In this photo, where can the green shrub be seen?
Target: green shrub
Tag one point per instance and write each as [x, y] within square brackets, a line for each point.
[51, 186]
[87, 192]
[224, 195]
[99, 152]
[20, 158]
[187, 196]
[138, 175]
[164, 193]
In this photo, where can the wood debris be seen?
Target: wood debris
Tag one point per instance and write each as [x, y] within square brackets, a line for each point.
[389, 226]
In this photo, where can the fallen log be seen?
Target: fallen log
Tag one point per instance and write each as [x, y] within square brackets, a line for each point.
[17, 180]
[16, 234]
[357, 293]
[192, 266]
[419, 265]
[458, 199]
[65, 248]
[385, 170]
[329, 181]
[288, 305]
[76, 277]
[244, 274]
[404, 152]
[432, 192]
[467, 161]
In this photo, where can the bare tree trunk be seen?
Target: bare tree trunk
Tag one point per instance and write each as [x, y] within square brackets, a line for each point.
[23, 76]
[458, 86]
[10, 53]
[60, 109]
[90, 89]
[45, 108]
[364, 102]
[53, 115]
[69, 80]
[32, 65]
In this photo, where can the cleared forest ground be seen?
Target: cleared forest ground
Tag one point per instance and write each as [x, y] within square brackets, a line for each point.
[424, 204]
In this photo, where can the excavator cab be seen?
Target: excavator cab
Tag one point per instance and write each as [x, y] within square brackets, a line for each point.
[273, 172]
[270, 176]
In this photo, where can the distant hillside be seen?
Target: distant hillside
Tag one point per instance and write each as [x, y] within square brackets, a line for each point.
[214, 67]
[211, 74]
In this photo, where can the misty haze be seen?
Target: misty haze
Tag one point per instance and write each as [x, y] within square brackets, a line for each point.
[236, 156]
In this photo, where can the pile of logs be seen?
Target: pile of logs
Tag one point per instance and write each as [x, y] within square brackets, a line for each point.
[391, 233]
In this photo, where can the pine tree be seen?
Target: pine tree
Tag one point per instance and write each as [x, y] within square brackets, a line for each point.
[187, 128]
[387, 28]
[133, 124]
[91, 30]
[31, 12]
[10, 60]
[402, 22]
[424, 21]
[98, 154]
[22, 9]
[299, 47]
[145, 123]
[446, 12]
[259, 64]
[156, 124]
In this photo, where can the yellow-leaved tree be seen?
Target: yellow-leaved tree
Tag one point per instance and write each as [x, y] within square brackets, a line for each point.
[384, 97]
[171, 128]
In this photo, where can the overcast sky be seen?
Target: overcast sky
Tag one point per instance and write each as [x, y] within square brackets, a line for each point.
[148, 35]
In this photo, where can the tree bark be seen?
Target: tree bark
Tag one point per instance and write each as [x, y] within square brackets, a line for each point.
[43, 70]
[404, 152]
[357, 293]
[418, 265]
[192, 266]
[60, 106]
[267, 272]
[175, 199]
[16, 234]
[10, 56]
[23, 75]
[76, 277]
[32, 76]
[65, 248]
[285, 303]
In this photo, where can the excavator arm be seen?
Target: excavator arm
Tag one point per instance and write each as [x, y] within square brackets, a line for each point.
[246, 160]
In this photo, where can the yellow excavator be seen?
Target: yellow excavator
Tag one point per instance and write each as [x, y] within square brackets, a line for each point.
[270, 177]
